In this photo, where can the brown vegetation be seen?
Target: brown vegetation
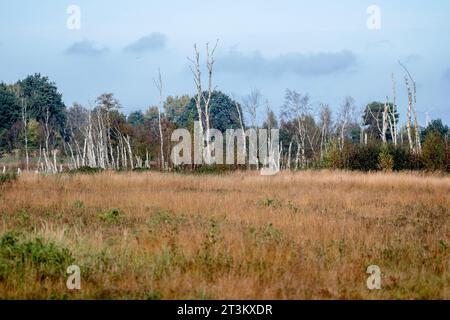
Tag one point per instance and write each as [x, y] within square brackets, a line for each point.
[305, 235]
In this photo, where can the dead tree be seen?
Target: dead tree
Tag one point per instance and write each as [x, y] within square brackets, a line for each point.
[25, 131]
[252, 104]
[159, 86]
[296, 108]
[344, 119]
[392, 113]
[325, 123]
[385, 121]
[202, 97]
[241, 124]
[412, 110]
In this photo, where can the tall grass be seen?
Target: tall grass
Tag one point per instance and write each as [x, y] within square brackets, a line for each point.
[305, 235]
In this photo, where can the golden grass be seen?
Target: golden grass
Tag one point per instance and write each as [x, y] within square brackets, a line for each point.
[308, 235]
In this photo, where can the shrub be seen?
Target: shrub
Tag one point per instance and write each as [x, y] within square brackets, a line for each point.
[112, 216]
[401, 157]
[204, 169]
[78, 204]
[333, 158]
[385, 159]
[86, 170]
[434, 152]
[7, 178]
[18, 257]
[141, 170]
[153, 295]
[362, 157]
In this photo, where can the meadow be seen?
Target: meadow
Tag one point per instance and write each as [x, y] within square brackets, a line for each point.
[305, 235]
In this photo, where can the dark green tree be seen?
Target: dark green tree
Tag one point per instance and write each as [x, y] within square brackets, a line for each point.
[436, 126]
[9, 107]
[434, 151]
[136, 119]
[10, 113]
[175, 106]
[223, 112]
[42, 95]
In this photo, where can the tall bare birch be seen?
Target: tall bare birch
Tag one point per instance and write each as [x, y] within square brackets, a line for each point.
[202, 97]
[159, 85]
[412, 109]
[25, 130]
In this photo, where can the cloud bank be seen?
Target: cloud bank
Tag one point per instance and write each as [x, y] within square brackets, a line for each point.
[313, 64]
[85, 48]
[151, 42]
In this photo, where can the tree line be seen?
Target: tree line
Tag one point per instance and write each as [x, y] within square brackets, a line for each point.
[49, 136]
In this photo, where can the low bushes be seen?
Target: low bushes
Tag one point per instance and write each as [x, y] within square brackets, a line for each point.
[373, 157]
[86, 170]
[7, 178]
[19, 256]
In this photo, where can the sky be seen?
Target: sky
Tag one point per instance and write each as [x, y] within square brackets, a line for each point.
[324, 48]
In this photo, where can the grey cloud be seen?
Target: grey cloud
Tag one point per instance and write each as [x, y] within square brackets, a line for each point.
[154, 41]
[85, 48]
[314, 64]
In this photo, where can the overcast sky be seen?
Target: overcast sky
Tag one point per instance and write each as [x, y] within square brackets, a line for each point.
[323, 48]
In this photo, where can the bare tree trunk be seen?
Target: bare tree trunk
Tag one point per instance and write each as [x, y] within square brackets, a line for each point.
[241, 123]
[25, 131]
[47, 130]
[252, 103]
[412, 108]
[393, 119]
[416, 122]
[408, 121]
[159, 86]
[297, 157]
[385, 122]
[289, 156]
[74, 161]
[130, 153]
[196, 70]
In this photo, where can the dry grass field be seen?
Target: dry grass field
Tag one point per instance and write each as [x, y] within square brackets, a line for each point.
[308, 235]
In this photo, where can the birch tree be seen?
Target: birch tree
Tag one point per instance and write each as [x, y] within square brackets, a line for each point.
[25, 130]
[392, 115]
[159, 86]
[251, 104]
[412, 111]
[344, 119]
[296, 107]
[201, 96]
[325, 125]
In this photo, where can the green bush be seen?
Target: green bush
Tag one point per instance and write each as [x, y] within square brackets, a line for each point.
[401, 157]
[142, 170]
[373, 157]
[204, 169]
[19, 256]
[333, 158]
[7, 178]
[113, 216]
[434, 152]
[361, 157]
[86, 170]
[385, 159]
